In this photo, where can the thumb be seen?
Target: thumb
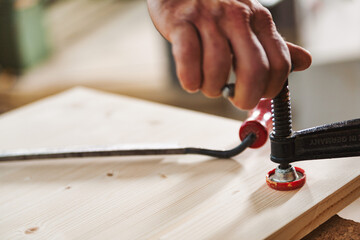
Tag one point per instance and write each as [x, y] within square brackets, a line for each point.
[300, 58]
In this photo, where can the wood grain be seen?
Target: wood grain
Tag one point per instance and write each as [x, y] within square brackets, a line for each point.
[167, 197]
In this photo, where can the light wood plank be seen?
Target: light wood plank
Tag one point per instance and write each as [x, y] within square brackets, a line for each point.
[167, 197]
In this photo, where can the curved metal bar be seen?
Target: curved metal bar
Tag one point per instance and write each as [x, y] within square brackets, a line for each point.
[66, 153]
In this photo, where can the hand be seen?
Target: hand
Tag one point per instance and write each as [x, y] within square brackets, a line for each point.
[209, 36]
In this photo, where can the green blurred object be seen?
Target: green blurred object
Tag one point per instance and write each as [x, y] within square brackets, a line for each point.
[22, 34]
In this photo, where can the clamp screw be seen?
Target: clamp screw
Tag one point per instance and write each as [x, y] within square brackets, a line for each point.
[281, 113]
[281, 116]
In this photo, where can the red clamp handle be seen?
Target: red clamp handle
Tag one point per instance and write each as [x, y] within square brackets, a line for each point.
[259, 122]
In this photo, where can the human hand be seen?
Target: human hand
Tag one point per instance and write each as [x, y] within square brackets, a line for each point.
[209, 36]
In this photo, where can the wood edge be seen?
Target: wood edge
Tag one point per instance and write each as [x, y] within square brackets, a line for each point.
[337, 201]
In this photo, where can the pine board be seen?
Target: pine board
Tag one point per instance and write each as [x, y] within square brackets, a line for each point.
[159, 197]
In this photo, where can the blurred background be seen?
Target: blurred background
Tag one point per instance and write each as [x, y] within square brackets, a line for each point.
[50, 46]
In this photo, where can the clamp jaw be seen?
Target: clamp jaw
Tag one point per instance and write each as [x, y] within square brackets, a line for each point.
[334, 140]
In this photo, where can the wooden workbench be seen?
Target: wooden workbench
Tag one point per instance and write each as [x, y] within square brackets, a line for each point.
[167, 197]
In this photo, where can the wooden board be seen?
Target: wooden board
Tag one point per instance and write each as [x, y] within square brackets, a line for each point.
[167, 197]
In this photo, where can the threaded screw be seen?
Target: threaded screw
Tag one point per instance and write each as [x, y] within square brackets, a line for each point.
[281, 113]
[281, 116]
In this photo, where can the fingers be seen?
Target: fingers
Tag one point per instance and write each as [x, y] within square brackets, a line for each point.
[300, 58]
[251, 63]
[186, 49]
[216, 59]
[276, 50]
[207, 36]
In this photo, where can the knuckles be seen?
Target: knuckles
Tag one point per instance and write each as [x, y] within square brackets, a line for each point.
[194, 11]
[188, 13]
[263, 14]
[263, 20]
[236, 11]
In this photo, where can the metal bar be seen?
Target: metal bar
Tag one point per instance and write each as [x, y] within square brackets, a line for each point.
[89, 152]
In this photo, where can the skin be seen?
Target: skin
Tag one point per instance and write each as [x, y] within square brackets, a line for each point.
[209, 37]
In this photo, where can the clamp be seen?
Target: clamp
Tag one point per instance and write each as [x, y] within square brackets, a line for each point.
[335, 140]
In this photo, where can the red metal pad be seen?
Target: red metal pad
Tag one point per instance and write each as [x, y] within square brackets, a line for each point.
[286, 186]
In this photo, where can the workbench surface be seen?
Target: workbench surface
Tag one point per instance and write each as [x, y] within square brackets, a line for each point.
[170, 197]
